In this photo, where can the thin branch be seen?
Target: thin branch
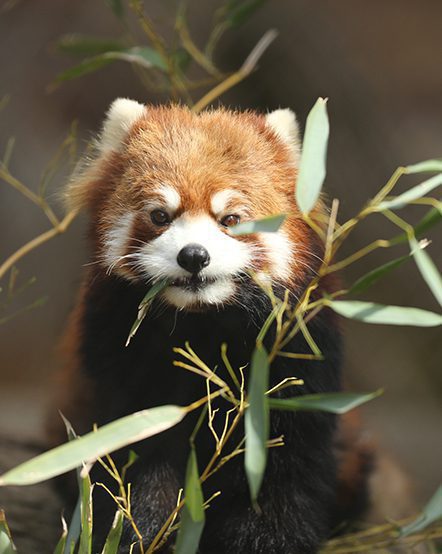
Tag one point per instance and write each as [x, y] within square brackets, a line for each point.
[247, 67]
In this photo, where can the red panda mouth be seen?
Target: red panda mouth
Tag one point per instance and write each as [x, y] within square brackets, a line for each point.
[193, 283]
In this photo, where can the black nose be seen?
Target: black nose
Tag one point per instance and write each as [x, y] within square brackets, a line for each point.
[193, 258]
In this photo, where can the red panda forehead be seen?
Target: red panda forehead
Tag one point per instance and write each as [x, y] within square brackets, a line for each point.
[199, 156]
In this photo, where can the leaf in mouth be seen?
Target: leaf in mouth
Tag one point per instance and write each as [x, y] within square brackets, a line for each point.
[145, 305]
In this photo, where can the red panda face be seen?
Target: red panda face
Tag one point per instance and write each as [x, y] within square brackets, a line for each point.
[167, 187]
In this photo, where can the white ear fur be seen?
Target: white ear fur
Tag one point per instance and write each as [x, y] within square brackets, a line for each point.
[284, 124]
[120, 117]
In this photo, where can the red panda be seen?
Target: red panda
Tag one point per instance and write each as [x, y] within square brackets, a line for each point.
[162, 192]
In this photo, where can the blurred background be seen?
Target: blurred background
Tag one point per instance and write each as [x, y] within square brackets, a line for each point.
[378, 64]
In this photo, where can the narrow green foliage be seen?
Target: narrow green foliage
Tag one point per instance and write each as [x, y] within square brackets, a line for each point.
[370, 278]
[6, 544]
[192, 515]
[369, 312]
[74, 527]
[117, 7]
[239, 11]
[334, 402]
[312, 168]
[139, 55]
[413, 194]
[430, 219]
[80, 45]
[88, 448]
[85, 67]
[431, 513]
[145, 305]
[427, 166]
[114, 536]
[61, 545]
[269, 224]
[86, 489]
[429, 271]
[256, 421]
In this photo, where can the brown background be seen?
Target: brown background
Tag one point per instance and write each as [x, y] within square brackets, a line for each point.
[379, 64]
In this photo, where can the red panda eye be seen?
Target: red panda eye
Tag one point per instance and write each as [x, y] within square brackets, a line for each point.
[230, 220]
[160, 217]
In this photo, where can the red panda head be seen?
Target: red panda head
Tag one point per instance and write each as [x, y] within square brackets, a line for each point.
[166, 186]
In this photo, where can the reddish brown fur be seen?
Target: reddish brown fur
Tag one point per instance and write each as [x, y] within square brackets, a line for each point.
[199, 155]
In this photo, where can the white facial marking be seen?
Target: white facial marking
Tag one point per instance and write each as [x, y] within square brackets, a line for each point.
[279, 252]
[115, 240]
[228, 256]
[221, 199]
[215, 293]
[171, 197]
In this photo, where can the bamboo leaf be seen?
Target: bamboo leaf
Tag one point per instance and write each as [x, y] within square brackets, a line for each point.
[144, 306]
[413, 194]
[335, 402]
[369, 312]
[80, 45]
[422, 167]
[61, 545]
[140, 55]
[6, 544]
[239, 12]
[256, 421]
[370, 278]
[269, 224]
[192, 516]
[430, 219]
[85, 546]
[432, 512]
[88, 448]
[114, 537]
[85, 67]
[428, 270]
[312, 168]
[117, 7]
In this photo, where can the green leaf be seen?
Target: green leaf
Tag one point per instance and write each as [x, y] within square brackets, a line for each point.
[239, 12]
[140, 55]
[430, 219]
[74, 528]
[86, 488]
[428, 270]
[269, 224]
[334, 402]
[192, 516]
[422, 167]
[6, 544]
[117, 7]
[80, 45]
[413, 194]
[432, 512]
[61, 545]
[312, 167]
[256, 421]
[83, 68]
[145, 305]
[369, 312]
[370, 278]
[114, 537]
[88, 448]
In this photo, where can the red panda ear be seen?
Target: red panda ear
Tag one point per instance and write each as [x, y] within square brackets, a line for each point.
[283, 123]
[120, 117]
